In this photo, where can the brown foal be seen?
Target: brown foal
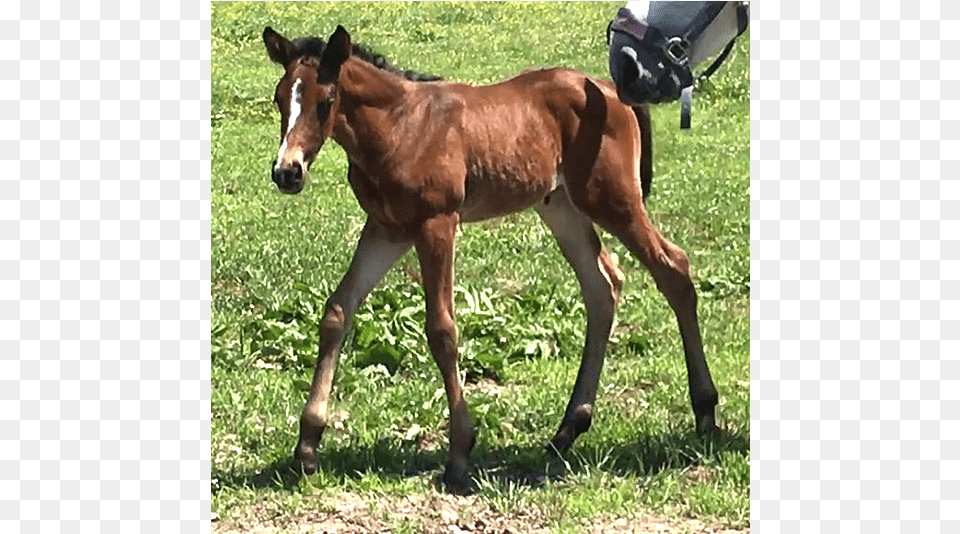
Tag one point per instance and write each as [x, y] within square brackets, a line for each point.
[425, 157]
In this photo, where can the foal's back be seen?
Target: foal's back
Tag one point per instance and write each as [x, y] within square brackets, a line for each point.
[521, 138]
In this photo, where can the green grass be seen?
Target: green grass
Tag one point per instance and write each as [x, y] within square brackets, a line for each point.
[276, 258]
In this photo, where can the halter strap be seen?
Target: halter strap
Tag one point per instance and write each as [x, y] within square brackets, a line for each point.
[686, 94]
[625, 22]
[743, 18]
[669, 15]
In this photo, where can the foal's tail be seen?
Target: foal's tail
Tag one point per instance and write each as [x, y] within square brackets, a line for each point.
[646, 149]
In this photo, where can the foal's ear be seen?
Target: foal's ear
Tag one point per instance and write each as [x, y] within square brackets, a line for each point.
[337, 50]
[279, 48]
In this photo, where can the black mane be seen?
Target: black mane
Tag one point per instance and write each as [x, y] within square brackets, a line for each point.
[313, 46]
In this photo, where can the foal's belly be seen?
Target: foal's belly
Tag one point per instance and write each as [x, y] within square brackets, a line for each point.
[495, 194]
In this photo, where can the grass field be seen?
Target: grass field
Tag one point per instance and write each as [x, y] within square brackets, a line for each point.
[276, 258]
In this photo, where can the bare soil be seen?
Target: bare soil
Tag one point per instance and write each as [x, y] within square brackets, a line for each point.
[347, 513]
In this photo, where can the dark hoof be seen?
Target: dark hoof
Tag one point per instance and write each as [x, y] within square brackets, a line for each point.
[456, 480]
[576, 422]
[560, 444]
[707, 428]
[305, 459]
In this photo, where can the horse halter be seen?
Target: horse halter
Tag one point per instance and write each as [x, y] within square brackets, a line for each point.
[669, 41]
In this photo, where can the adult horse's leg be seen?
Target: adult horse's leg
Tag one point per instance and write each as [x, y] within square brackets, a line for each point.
[435, 249]
[374, 256]
[600, 284]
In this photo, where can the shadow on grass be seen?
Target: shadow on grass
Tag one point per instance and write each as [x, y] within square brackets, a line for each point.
[647, 456]
[386, 458]
[279, 474]
[530, 466]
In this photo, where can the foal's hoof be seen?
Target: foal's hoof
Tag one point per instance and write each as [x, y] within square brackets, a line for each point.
[305, 459]
[575, 422]
[707, 428]
[560, 443]
[456, 479]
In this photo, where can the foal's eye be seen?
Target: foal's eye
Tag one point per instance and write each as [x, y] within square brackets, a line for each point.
[323, 110]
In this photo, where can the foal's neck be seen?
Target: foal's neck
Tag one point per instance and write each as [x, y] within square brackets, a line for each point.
[367, 96]
[364, 85]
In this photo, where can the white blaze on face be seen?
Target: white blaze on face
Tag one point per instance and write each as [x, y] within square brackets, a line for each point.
[295, 94]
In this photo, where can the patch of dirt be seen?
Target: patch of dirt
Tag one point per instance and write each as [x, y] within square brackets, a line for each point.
[700, 474]
[483, 385]
[429, 442]
[659, 525]
[229, 288]
[631, 398]
[411, 272]
[449, 514]
[348, 513]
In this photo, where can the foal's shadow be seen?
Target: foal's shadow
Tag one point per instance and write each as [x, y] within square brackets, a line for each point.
[528, 466]
[387, 457]
[278, 475]
[647, 455]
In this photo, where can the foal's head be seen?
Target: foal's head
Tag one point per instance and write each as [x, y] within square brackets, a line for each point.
[307, 99]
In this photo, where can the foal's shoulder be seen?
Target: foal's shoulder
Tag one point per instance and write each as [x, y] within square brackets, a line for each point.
[441, 98]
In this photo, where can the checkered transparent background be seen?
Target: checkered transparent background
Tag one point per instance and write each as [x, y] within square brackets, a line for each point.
[854, 311]
[104, 291]
[104, 275]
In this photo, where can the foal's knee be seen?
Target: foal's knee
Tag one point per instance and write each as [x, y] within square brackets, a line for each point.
[334, 319]
[332, 327]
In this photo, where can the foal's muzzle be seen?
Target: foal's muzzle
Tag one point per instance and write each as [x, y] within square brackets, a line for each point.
[289, 178]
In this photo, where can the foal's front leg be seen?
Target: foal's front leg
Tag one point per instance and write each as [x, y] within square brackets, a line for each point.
[374, 256]
[435, 250]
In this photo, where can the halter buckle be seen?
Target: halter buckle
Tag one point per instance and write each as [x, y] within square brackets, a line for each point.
[676, 49]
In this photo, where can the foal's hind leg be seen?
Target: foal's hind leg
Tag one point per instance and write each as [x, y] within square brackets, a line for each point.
[600, 284]
[671, 271]
[374, 256]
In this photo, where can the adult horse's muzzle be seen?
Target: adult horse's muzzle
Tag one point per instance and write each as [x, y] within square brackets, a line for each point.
[641, 77]
[289, 178]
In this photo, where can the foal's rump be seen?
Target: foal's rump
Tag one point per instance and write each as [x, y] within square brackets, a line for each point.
[527, 135]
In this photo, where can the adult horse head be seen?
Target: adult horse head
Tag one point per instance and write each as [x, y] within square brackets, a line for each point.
[654, 46]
